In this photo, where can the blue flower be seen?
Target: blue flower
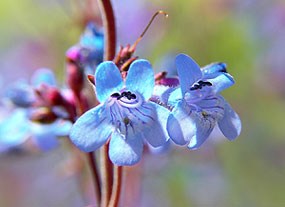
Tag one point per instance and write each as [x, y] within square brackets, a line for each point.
[125, 114]
[198, 105]
[88, 53]
[22, 94]
[46, 136]
[17, 127]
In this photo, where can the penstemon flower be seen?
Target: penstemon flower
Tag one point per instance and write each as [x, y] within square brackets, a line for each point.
[125, 114]
[198, 105]
[88, 52]
[17, 127]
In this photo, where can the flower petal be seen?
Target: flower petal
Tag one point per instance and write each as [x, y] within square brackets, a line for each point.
[125, 151]
[161, 94]
[140, 78]
[21, 94]
[91, 130]
[188, 71]
[44, 136]
[204, 126]
[221, 82]
[213, 70]
[208, 112]
[180, 124]
[161, 149]
[62, 128]
[230, 124]
[108, 80]
[156, 133]
[174, 97]
[14, 130]
[43, 76]
[213, 106]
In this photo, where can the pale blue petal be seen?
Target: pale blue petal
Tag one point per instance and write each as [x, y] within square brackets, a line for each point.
[180, 124]
[21, 94]
[213, 106]
[221, 82]
[204, 129]
[209, 111]
[230, 124]
[43, 136]
[174, 97]
[188, 71]
[14, 130]
[43, 76]
[156, 133]
[161, 149]
[92, 37]
[213, 70]
[108, 80]
[140, 78]
[194, 96]
[161, 93]
[62, 128]
[125, 150]
[91, 130]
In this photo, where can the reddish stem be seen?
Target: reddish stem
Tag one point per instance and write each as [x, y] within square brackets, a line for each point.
[110, 28]
[106, 175]
[116, 188]
[109, 54]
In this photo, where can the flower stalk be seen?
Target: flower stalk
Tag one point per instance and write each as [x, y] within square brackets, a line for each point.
[116, 188]
[109, 54]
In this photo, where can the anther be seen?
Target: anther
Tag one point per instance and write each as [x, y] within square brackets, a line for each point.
[200, 85]
[115, 95]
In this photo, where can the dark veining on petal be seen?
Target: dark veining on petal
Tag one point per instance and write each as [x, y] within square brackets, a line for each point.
[134, 114]
[112, 115]
[145, 107]
[150, 117]
[131, 124]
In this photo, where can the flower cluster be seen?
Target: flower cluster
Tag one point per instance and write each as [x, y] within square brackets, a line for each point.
[128, 117]
[40, 110]
[37, 113]
[125, 114]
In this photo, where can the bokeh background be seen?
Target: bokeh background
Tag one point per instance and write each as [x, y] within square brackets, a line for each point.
[249, 35]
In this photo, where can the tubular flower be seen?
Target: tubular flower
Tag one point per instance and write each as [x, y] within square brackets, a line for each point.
[198, 105]
[88, 52]
[17, 128]
[125, 114]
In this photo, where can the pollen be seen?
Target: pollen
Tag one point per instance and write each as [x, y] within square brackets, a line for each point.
[204, 114]
[126, 120]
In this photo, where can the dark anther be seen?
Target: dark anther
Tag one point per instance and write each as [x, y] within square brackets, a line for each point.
[200, 85]
[195, 87]
[133, 96]
[207, 84]
[115, 95]
[127, 94]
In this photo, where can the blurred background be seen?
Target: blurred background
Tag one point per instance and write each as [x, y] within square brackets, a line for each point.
[249, 35]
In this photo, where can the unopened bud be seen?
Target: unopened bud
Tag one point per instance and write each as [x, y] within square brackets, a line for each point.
[43, 115]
